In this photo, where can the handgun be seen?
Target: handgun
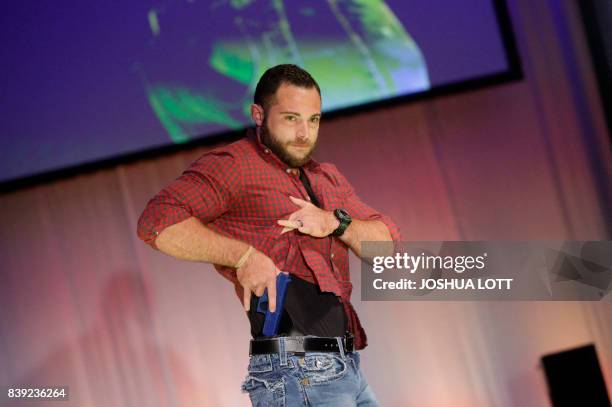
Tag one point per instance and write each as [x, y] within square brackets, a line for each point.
[272, 320]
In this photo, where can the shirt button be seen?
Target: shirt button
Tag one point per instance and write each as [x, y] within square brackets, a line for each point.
[332, 255]
[288, 170]
[156, 233]
[266, 151]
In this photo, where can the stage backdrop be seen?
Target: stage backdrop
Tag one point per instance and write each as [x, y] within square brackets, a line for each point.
[85, 303]
[88, 81]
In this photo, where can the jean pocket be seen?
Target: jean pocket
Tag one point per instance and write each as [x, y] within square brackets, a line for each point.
[260, 363]
[264, 391]
[323, 368]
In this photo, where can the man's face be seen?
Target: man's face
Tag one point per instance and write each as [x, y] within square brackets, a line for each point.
[291, 124]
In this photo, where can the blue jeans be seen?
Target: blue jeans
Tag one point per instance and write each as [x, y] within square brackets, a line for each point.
[314, 379]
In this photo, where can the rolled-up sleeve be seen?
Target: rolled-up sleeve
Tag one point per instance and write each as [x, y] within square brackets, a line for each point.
[205, 190]
[358, 209]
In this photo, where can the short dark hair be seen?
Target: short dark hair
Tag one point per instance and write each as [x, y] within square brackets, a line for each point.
[274, 77]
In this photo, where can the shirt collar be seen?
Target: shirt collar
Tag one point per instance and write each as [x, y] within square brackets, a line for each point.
[255, 136]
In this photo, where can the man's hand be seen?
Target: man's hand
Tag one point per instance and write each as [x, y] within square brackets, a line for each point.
[258, 273]
[310, 220]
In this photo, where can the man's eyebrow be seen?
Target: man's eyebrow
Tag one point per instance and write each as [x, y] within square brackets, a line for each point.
[297, 114]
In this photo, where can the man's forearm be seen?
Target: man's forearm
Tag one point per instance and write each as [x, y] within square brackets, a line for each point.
[191, 240]
[364, 231]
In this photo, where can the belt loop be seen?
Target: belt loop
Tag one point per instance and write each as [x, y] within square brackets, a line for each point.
[341, 347]
[282, 353]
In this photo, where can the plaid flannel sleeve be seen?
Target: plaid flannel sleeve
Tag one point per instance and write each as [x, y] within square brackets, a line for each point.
[205, 190]
[358, 209]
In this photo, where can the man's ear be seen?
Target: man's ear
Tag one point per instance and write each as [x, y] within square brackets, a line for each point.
[257, 114]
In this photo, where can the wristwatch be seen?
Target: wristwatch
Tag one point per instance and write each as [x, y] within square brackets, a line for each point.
[345, 220]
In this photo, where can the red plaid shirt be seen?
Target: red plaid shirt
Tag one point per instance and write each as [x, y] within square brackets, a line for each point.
[241, 190]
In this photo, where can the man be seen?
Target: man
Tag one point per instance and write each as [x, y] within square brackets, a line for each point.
[260, 206]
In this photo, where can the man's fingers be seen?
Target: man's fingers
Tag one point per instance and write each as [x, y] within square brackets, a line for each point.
[299, 202]
[295, 215]
[246, 297]
[272, 294]
[293, 224]
[285, 230]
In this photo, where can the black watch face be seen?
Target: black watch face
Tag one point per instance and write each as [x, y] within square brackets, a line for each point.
[343, 214]
[345, 220]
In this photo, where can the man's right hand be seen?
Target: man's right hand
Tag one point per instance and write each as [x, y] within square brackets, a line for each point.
[258, 273]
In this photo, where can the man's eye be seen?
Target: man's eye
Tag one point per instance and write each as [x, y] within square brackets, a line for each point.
[290, 118]
[315, 120]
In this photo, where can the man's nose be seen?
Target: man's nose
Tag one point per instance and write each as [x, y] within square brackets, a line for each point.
[303, 131]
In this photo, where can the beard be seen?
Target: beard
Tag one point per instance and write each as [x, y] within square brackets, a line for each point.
[280, 149]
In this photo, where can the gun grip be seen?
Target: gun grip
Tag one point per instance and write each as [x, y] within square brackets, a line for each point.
[272, 320]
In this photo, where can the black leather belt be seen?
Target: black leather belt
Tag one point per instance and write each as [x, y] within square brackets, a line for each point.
[301, 344]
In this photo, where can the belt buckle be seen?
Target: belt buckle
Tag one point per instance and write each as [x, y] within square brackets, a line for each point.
[299, 345]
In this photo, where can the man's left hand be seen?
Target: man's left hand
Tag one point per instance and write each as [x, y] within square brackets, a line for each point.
[309, 220]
